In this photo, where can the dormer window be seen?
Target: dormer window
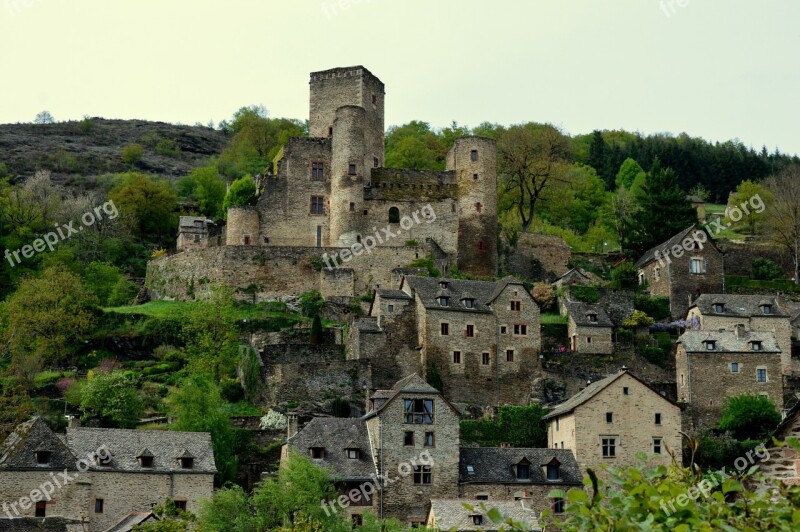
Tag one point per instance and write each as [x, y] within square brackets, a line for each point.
[470, 470]
[592, 317]
[43, 457]
[756, 345]
[444, 301]
[766, 309]
[553, 470]
[469, 303]
[145, 459]
[318, 453]
[353, 454]
[523, 471]
[711, 345]
[477, 519]
[187, 462]
[719, 308]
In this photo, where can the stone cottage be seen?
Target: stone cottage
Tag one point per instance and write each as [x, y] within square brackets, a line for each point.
[450, 514]
[481, 339]
[100, 476]
[611, 420]
[682, 268]
[714, 365]
[762, 313]
[589, 328]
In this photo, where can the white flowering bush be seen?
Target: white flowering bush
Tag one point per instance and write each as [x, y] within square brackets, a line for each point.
[273, 421]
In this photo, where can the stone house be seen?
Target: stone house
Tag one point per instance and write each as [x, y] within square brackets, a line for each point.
[782, 464]
[682, 268]
[509, 473]
[481, 338]
[611, 420]
[714, 365]
[580, 277]
[194, 233]
[101, 476]
[589, 328]
[450, 514]
[761, 313]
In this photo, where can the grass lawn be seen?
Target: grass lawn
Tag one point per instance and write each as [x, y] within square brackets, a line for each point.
[171, 309]
[553, 319]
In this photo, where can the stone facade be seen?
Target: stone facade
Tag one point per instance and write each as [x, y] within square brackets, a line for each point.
[193, 233]
[611, 420]
[537, 257]
[729, 367]
[682, 268]
[782, 464]
[589, 329]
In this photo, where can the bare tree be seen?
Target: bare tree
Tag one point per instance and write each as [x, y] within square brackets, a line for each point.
[531, 157]
[783, 213]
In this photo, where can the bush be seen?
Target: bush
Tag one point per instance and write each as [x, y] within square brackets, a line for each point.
[654, 355]
[586, 294]
[544, 295]
[638, 319]
[231, 390]
[311, 303]
[624, 276]
[428, 264]
[132, 153]
[749, 417]
[168, 147]
[766, 270]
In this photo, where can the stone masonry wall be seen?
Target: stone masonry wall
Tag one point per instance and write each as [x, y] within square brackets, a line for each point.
[538, 257]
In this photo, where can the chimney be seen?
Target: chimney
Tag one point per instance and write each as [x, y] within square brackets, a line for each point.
[291, 425]
[73, 421]
[505, 445]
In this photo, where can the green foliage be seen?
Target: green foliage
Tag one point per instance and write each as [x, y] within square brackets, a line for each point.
[251, 370]
[311, 303]
[715, 451]
[657, 307]
[206, 187]
[749, 417]
[654, 355]
[586, 294]
[766, 270]
[638, 319]
[149, 204]
[746, 190]
[114, 399]
[168, 148]
[107, 283]
[521, 426]
[211, 336]
[628, 172]
[624, 275]
[241, 193]
[132, 153]
[4, 170]
[317, 263]
[427, 263]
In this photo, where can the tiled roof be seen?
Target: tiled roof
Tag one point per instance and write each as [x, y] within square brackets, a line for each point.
[386, 293]
[580, 312]
[582, 396]
[493, 465]
[727, 341]
[650, 255]
[126, 445]
[336, 435]
[737, 305]
[428, 289]
[19, 449]
[450, 514]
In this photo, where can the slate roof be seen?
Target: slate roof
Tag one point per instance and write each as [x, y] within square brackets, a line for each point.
[411, 384]
[336, 435]
[727, 342]
[126, 445]
[579, 275]
[450, 514]
[650, 255]
[19, 449]
[130, 521]
[385, 293]
[367, 324]
[579, 312]
[492, 465]
[428, 289]
[738, 305]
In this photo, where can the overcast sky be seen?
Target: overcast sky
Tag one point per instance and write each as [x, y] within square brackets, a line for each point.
[719, 69]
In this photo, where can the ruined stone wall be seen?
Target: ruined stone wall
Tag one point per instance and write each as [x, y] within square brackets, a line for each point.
[739, 257]
[537, 257]
[315, 381]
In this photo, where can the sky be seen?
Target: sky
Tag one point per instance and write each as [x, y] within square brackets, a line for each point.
[717, 69]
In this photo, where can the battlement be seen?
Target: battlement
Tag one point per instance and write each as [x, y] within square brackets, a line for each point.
[396, 183]
[344, 72]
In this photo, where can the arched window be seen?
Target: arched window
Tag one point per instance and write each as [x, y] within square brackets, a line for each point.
[394, 215]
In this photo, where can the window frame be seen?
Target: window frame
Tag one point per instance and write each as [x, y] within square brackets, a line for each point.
[316, 204]
[608, 446]
[99, 505]
[416, 408]
[510, 355]
[317, 171]
[422, 475]
[486, 359]
[523, 327]
[758, 375]
[429, 436]
[444, 328]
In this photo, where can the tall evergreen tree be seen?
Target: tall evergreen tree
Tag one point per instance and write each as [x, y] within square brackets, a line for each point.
[598, 155]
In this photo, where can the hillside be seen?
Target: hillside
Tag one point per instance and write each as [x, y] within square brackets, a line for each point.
[76, 151]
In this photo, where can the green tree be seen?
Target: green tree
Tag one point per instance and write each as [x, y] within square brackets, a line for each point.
[114, 399]
[132, 153]
[311, 303]
[149, 204]
[197, 406]
[522, 426]
[211, 335]
[206, 187]
[241, 193]
[745, 191]
[783, 218]
[108, 284]
[749, 417]
[766, 270]
[628, 172]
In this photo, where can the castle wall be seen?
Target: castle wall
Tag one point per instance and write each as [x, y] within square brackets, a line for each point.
[243, 226]
[348, 174]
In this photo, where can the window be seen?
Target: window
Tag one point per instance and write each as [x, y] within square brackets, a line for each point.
[394, 215]
[391, 308]
[766, 309]
[443, 301]
[318, 453]
[330, 131]
[374, 99]
[366, 212]
[351, 169]
[422, 474]
[503, 329]
[553, 471]
[42, 457]
[41, 509]
[609, 417]
[473, 156]
[187, 462]
[358, 519]
[266, 240]
[482, 497]
[408, 438]
[445, 329]
[478, 207]
[734, 367]
[317, 173]
[516, 306]
[317, 205]
[353, 454]
[697, 266]
[658, 419]
[419, 411]
[588, 339]
[477, 519]
[710, 345]
[761, 375]
[475, 177]
[509, 355]
[657, 273]
[719, 308]
[656, 445]
[625, 390]
[469, 303]
[196, 238]
[682, 380]
[469, 332]
[246, 240]
[98, 506]
[352, 207]
[470, 470]
[481, 247]
[375, 162]
[523, 471]
[558, 506]
[358, 238]
[146, 461]
[180, 505]
[443, 285]
[485, 359]
[756, 345]
[520, 329]
[429, 439]
[456, 357]
[557, 427]
[609, 446]
[592, 317]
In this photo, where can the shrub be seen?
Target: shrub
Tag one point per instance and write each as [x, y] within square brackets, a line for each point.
[638, 319]
[428, 264]
[544, 295]
[132, 153]
[624, 275]
[168, 147]
[657, 307]
[311, 303]
[231, 390]
[749, 416]
[586, 294]
[654, 355]
[766, 270]
[273, 421]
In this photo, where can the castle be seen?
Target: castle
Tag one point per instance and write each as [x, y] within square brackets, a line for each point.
[329, 203]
